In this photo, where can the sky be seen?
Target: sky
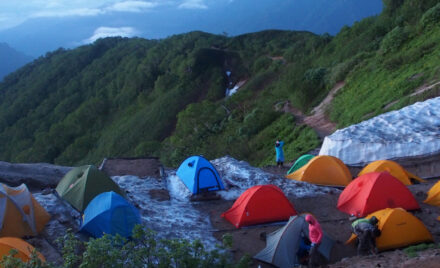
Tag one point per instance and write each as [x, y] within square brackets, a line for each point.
[38, 26]
[16, 12]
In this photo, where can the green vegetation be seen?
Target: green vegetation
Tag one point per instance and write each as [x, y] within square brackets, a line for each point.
[135, 97]
[143, 250]
[412, 250]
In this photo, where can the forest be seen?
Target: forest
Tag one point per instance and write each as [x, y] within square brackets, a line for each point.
[133, 97]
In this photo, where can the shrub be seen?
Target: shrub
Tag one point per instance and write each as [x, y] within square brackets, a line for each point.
[431, 17]
[394, 39]
[144, 249]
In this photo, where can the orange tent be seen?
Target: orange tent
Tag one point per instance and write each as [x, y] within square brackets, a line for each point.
[260, 204]
[24, 249]
[398, 229]
[323, 170]
[434, 195]
[20, 213]
[393, 168]
[374, 191]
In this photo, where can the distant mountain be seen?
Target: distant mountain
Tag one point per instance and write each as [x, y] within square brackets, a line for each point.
[40, 35]
[11, 60]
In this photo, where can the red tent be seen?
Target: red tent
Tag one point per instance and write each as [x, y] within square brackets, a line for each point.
[260, 204]
[375, 191]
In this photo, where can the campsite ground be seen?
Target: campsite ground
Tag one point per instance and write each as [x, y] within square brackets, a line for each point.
[250, 240]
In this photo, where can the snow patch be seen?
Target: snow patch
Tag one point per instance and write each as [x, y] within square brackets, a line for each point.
[240, 176]
[410, 132]
[174, 218]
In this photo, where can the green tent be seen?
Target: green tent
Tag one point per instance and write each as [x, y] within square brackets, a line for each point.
[81, 184]
[301, 161]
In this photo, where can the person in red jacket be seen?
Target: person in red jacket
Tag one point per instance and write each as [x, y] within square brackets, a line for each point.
[315, 236]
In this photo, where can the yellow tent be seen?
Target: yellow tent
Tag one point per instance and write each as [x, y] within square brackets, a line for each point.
[24, 249]
[20, 213]
[323, 170]
[434, 195]
[393, 168]
[399, 229]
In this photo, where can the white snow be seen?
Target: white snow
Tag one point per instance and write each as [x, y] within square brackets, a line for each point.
[174, 218]
[410, 132]
[240, 176]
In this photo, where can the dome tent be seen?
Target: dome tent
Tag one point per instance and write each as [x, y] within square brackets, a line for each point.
[282, 244]
[81, 184]
[24, 249]
[393, 168]
[434, 195]
[110, 213]
[20, 214]
[199, 175]
[399, 228]
[300, 162]
[374, 191]
[323, 170]
[259, 204]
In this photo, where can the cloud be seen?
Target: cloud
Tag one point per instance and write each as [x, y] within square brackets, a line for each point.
[15, 12]
[80, 12]
[193, 4]
[103, 32]
[132, 6]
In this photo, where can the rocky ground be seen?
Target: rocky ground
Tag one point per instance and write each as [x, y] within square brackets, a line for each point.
[166, 207]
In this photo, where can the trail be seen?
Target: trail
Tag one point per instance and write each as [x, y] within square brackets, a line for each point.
[318, 119]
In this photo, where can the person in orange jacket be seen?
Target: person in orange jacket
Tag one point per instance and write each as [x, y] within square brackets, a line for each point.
[315, 236]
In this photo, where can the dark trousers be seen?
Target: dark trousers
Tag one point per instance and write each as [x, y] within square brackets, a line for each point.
[313, 255]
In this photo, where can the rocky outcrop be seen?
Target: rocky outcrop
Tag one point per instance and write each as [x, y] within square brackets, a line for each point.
[37, 175]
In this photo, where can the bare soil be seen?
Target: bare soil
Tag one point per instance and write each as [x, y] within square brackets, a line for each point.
[250, 240]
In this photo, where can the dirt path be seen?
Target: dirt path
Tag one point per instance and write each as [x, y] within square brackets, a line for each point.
[318, 119]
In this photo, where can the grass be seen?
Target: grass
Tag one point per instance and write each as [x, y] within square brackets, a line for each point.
[412, 251]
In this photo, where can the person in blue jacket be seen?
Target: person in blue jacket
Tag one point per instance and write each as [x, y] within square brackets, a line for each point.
[279, 153]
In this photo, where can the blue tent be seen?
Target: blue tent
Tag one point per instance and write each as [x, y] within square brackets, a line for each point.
[199, 175]
[110, 213]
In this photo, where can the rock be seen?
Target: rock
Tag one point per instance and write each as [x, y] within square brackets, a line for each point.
[47, 191]
[159, 194]
[39, 175]
[420, 193]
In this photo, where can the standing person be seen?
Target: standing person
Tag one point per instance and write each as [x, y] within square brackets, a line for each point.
[279, 153]
[315, 236]
[366, 231]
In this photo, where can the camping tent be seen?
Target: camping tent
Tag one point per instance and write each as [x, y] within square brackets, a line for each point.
[20, 213]
[81, 184]
[199, 175]
[110, 213]
[434, 195]
[24, 249]
[282, 244]
[260, 204]
[393, 168]
[301, 161]
[398, 229]
[374, 191]
[323, 170]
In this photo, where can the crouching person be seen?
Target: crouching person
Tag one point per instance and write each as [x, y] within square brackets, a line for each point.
[366, 231]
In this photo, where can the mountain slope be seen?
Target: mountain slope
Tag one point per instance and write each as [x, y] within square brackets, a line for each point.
[11, 60]
[135, 97]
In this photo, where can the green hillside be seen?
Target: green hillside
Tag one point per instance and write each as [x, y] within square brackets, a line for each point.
[137, 97]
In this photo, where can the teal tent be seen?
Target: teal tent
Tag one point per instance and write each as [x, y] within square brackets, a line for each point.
[301, 161]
